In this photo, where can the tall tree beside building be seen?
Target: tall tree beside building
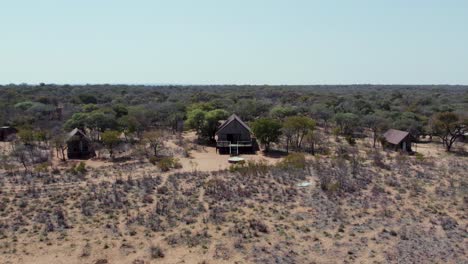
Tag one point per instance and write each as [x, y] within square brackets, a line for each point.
[267, 130]
[449, 127]
[110, 139]
[298, 127]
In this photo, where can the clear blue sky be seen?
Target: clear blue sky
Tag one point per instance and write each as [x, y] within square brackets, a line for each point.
[234, 42]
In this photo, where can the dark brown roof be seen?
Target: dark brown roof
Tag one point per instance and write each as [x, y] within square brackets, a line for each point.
[231, 119]
[394, 136]
[7, 127]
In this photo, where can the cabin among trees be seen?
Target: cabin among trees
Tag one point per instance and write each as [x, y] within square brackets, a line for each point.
[7, 133]
[397, 140]
[234, 136]
[79, 145]
[463, 138]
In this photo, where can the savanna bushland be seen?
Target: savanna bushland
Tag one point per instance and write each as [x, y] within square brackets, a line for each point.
[157, 192]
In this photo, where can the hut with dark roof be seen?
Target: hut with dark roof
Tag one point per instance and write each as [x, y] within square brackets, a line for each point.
[397, 140]
[79, 145]
[7, 133]
[234, 136]
[463, 138]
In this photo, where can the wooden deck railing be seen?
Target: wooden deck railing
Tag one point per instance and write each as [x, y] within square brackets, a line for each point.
[226, 144]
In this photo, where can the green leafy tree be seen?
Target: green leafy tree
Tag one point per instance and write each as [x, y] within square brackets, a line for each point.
[78, 120]
[311, 139]
[410, 122]
[298, 127]
[347, 122]
[211, 123]
[204, 122]
[267, 130]
[281, 112]
[128, 125]
[139, 119]
[24, 105]
[87, 99]
[201, 106]
[376, 124]
[322, 113]
[249, 109]
[60, 144]
[101, 121]
[154, 140]
[174, 118]
[88, 108]
[449, 127]
[120, 110]
[288, 132]
[196, 120]
[26, 136]
[111, 139]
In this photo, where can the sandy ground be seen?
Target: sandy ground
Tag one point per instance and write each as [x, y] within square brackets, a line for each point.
[202, 158]
[206, 159]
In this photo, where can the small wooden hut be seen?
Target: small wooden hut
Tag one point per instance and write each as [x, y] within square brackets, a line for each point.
[234, 136]
[463, 138]
[398, 140]
[79, 145]
[7, 133]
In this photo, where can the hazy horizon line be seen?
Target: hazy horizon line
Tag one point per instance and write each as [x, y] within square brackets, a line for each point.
[230, 84]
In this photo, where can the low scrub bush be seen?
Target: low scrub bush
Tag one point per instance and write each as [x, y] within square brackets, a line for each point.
[293, 161]
[156, 252]
[166, 163]
[419, 157]
[351, 141]
[79, 169]
[250, 168]
[42, 168]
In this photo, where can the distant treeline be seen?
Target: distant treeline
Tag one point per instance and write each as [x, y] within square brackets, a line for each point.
[135, 108]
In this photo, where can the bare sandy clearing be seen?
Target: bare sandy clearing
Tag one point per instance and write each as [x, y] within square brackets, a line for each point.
[206, 159]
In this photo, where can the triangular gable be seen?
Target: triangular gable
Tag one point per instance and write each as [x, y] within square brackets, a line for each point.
[232, 118]
[76, 131]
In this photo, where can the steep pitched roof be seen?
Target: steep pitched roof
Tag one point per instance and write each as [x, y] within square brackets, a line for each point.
[230, 120]
[394, 136]
[75, 132]
[7, 127]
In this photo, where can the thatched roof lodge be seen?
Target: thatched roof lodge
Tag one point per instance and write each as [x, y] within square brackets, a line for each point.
[7, 133]
[79, 145]
[234, 136]
[398, 140]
